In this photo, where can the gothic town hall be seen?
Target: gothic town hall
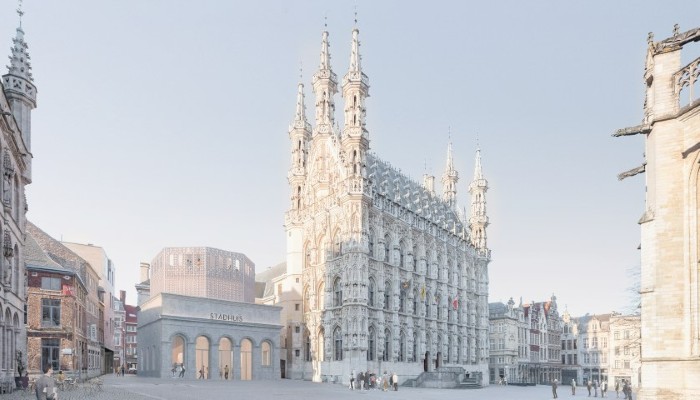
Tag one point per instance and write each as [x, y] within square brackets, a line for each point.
[392, 275]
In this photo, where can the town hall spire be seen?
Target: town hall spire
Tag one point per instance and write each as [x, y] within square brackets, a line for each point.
[449, 180]
[478, 220]
[325, 84]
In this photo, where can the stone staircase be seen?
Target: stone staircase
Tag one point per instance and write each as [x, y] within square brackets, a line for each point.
[446, 378]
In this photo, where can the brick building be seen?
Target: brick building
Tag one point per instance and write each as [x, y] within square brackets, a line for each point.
[130, 341]
[74, 314]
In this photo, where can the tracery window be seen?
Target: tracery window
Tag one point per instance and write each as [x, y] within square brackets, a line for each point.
[337, 344]
[337, 293]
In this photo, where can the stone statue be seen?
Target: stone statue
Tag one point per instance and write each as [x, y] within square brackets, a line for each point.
[20, 363]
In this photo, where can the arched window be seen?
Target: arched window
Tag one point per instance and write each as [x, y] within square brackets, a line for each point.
[225, 358]
[337, 245]
[438, 303]
[402, 347]
[402, 254]
[202, 357]
[321, 345]
[371, 339]
[387, 346]
[402, 300]
[415, 258]
[307, 299]
[307, 345]
[428, 299]
[265, 351]
[337, 293]
[387, 248]
[414, 356]
[449, 348]
[177, 352]
[370, 292]
[387, 295]
[337, 344]
[307, 255]
[370, 244]
[246, 360]
[415, 302]
[321, 296]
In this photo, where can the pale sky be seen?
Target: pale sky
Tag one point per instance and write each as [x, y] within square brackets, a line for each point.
[164, 123]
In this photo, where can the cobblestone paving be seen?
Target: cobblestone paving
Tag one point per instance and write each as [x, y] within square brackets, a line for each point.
[137, 388]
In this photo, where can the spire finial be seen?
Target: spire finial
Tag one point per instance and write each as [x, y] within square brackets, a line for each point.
[20, 12]
[301, 70]
[356, 14]
[325, 20]
[477, 141]
[676, 29]
[449, 134]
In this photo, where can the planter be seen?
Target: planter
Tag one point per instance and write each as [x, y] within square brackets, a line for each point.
[21, 382]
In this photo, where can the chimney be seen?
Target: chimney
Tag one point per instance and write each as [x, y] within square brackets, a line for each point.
[122, 296]
[145, 267]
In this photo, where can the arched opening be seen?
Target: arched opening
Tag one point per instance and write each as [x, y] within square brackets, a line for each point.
[225, 359]
[371, 342]
[402, 347]
[201, 346]
[265, 354]
[337, 344]
[321, 345]
[246, 360]
[177, 353]
[387, 346]
[426, 361]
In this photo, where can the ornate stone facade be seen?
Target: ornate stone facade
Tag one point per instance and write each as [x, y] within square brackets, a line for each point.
[17, 100]
[670, 224]
[393, 276]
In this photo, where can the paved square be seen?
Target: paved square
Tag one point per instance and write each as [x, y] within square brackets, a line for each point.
[137, 388]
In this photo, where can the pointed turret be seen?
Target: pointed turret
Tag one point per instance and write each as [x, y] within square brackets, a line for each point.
[355, 139]
[300, 136]
[19, 88]
[449, 180]
[478, 220]
[325, 87]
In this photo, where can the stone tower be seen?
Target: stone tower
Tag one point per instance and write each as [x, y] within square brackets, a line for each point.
[17, 101]
[670, 224]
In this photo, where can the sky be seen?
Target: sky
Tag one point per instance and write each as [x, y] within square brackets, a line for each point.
[165, 123]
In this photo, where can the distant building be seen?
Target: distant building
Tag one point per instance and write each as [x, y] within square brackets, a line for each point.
[130, 338]
[203, 272]
[525, 342]
[593, 338]
[106, 270]
[506, 329]
[65, 310]
[200, 315]
[670, 224]
[119, 331]
[625, 351]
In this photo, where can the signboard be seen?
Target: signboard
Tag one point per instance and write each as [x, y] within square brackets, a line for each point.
[68, 290]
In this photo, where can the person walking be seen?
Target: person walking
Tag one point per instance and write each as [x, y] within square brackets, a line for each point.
[573, 387]
[617, 388]
[588, 386]
[352, 379]
[385, 379]
[182, 370]
[603, 388]
[395, 380]
[226, 372]
[554, 388]
[361, 380]
[595, 388]
[44, 387]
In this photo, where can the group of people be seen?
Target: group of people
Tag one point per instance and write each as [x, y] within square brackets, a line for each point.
[181, 368]
[368, 380]
[593, 386]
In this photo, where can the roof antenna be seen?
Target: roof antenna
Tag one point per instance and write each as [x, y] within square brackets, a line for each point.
[325, 20]
[356, 14]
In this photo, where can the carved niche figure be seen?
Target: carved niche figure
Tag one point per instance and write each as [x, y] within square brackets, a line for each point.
[8, 172]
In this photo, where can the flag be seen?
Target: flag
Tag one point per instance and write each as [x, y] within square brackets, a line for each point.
[422, 293]
[455, 302]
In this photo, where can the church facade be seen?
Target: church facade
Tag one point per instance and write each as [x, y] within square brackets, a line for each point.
[670, 224]
[392, 275]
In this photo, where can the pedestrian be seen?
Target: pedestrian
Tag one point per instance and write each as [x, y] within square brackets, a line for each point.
[361, 380]
[617, 388]
[182, 370]
[595, 388]
[588, 386]
[173, 370]
[352, 379]
[123, 371]
[505, 381]
[201, 373]
[629, 390]
[367, 379]
[395, 379]
[385, 380]
[226, 372]
[44, 386]
[603, 388]
[554, 388]
[573, 387]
